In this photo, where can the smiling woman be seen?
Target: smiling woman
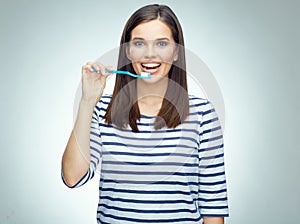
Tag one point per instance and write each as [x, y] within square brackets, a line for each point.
[152, 48]
[161, 148]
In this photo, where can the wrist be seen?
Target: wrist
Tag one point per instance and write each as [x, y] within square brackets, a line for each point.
[88, 102]
[91, 98]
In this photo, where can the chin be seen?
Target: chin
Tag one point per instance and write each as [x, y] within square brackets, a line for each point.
[155, 78]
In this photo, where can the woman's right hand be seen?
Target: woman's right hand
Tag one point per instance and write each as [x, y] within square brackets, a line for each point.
[93, 81]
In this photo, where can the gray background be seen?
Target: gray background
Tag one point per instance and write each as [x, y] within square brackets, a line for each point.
[251, 47]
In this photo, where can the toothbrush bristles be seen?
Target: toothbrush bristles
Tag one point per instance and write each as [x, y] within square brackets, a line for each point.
[145, 74]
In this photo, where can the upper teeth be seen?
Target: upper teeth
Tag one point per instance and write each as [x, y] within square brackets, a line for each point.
[151, 65]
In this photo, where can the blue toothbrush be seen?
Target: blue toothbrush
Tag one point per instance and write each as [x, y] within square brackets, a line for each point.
[145, 75]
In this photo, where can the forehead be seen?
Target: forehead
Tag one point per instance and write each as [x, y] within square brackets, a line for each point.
[152, 30]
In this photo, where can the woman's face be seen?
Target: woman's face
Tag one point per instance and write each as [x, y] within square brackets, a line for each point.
[152, 48]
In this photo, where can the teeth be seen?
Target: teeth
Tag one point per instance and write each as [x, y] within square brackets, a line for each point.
[151, 65]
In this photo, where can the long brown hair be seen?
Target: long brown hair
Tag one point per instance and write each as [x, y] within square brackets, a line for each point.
[123, 108]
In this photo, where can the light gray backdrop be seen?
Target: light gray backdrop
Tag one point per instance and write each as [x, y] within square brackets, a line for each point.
[251, 47]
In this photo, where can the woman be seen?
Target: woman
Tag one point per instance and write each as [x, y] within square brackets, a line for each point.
[161, 150]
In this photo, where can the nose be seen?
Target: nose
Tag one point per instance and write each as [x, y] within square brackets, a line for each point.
[150, 51]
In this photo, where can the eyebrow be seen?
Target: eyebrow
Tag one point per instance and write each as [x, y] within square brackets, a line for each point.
[159, 39]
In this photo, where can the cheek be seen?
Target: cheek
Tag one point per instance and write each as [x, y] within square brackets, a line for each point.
[135, 54]
[136, 67]
[167, 56]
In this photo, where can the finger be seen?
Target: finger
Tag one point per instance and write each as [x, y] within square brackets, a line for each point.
[88, 66]
[95, 68]
[100, 68]
[107, 70]
[86, 69]
[89, 63]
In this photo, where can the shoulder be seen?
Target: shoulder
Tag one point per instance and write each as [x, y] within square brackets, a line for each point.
[198, 103]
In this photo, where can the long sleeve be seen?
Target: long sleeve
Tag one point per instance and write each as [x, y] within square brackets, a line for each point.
[212, 191]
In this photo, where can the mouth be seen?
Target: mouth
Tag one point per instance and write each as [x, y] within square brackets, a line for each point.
[150, 67]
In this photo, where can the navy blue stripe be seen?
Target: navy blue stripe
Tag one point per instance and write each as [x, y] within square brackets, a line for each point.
[147, 146]
[213, 207]
[149, 182]
[146, 211]
[212, 183]
[185, 122]
[105, 102]
[214, 215]
[95, 157]
[193, 97]
[150, 163]
[101, 221]
[95, 115]
[195, 113]
[93, 128]
[97, 108]
[95, 133]
[199, 104]
[95, 149]
[154, 131]
[212, 166]
[96, 142]
[213, 192]
[209, 121]
[211, 148]
[212, 199]
[146, 201]
[147, 116]
[80, 183]
[94, 122]
[92, 175]
[192, 122]
[211, 174]
[150, 155]
[146, 192]
[212, 157]
[148, 173]
[102, 117]
[211, 139]
[148, 139]
[211, 130]
[208, 111]
[169, 220]
[95, 165]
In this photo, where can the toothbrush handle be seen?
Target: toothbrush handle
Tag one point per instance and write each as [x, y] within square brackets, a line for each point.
[120, 72]
[116, 71]
[126, 73]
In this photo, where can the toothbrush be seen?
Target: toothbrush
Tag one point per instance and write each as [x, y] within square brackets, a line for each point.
[143, 74]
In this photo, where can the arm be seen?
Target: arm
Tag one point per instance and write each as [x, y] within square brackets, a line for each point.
[76, 157]
[212, 201]
[213, 220]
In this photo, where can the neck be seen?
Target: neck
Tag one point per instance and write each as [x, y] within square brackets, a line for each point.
[152, 93]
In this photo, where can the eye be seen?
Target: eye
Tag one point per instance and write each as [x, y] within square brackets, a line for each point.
[162, 43]
[138, 43]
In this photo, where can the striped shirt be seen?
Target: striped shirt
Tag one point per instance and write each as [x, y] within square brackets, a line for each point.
[174, 175]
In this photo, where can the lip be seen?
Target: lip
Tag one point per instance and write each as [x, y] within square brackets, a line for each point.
[150, 70]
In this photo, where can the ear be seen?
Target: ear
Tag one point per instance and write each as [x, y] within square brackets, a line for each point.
[176, 54]
[127, 50]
